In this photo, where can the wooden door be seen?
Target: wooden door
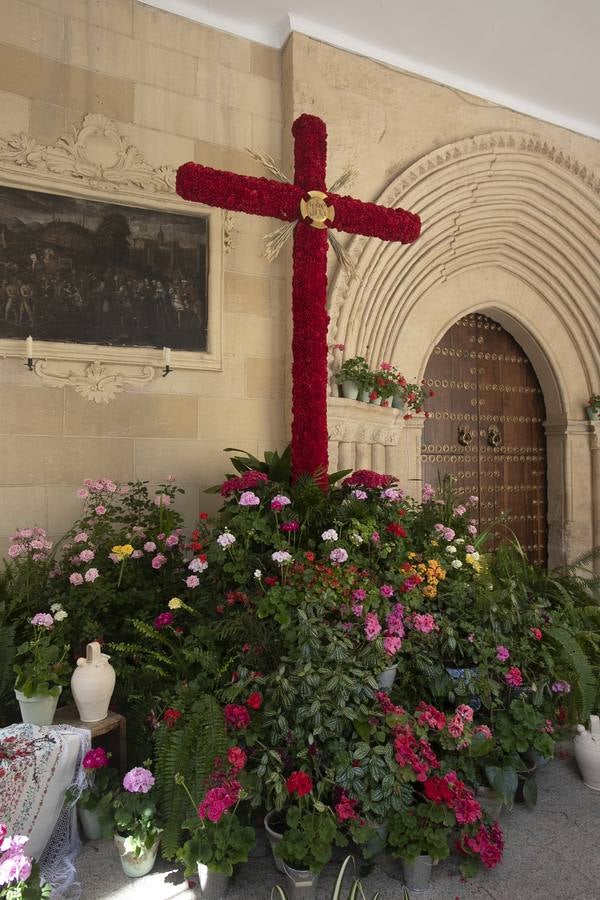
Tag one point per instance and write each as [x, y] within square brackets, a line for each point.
[486, 430]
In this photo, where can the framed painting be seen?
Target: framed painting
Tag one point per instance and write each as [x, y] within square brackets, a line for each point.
[103, 264]
[93, 272]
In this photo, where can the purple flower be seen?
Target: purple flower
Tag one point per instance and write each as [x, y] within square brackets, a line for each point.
[339, 555]
[44, 620]
[14, 868]
[249, 498]
[427, 494]
[502, 653]
[386, 590]
[392, 494]
[359, 495]
[357, 609]
[138, 780]
[75, 578]
[561, 687]
[359, 594]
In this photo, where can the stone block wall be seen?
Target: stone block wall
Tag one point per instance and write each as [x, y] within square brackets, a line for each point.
[177, 91]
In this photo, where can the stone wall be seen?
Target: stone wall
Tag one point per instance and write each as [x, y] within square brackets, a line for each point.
[177, 91]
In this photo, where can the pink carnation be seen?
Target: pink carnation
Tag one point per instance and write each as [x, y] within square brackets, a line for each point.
[172, 540]
[91, 575]
[80, 538]
[502, 653]
[192, 581]
[100, 510]
[513, 677]
[158, 561]
[75, 578]
[149, 546]
[44, 620]
[86, 555]
[162, 500]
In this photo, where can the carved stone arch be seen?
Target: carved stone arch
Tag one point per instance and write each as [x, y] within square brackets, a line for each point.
[510, 229]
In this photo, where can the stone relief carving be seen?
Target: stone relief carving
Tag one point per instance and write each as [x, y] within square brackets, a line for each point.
[95, 381]
[91, 159]
[350, 424]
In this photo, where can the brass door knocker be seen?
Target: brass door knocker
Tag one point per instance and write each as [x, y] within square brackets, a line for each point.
[465, 435]
[494, 438]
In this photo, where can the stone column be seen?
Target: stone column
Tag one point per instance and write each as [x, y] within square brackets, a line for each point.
[595, 449]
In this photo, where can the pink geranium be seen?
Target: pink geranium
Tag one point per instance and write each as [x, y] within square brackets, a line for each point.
[502, 653]
[372, 626]
[138, 780]
[44, 620]
[76, 578]
[425, 623]
[514, 677]
[158, 561]
[192, 581]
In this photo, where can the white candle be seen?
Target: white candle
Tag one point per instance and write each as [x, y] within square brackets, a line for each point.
[167, 356]
[29, 347]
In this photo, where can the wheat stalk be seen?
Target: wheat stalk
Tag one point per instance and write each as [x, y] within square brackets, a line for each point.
[275, 240]
[347, 177]
[342, 257]
[269, 164]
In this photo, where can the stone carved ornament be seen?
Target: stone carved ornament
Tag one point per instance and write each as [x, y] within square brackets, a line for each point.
[96, 157]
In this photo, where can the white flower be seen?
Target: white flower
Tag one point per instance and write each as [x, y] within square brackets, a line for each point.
[459, 540]
[55, 607]
[450, 549]
[330, 535]
[475, 554]
[281, 557]
[356, 539]
[226, 539]
[456, 564]
[257, 574]
[59, 615]
[198, 565]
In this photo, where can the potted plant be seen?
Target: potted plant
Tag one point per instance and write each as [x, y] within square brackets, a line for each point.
[593, 407]
[385, 384]
[218, 839]
[137, 833]
[517, 730]
[355, 377]
[413, 397]
[95, 803]
[355, 890]
[418, 838]
[41, 668]
[19, 873]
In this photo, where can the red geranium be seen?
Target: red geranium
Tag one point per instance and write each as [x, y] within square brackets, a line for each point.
[396, 529]
[236, 757]
[255, 700]
[236, 716]
[170, 717]
[299, 783]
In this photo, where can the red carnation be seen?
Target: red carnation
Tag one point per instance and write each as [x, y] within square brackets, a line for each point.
[299, 783]
[236, 716]
[170, 717]
[255, 700]
[236, 757]
[396, 529]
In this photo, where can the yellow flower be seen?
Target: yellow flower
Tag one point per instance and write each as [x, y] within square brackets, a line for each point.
[434, 543]
[122, 551]
[175, 603]
[411, 555]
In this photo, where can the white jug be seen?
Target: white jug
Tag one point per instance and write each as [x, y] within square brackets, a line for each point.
[92, 684]
[587, 753]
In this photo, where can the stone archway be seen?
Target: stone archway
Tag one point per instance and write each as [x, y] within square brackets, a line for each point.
[510, 230]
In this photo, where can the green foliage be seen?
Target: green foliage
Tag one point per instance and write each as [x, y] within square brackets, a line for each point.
[41, 667]
[355, 891]
[423, 829]
[277, 466]
[188, 749]
[308, 839]
[520, 728]
[135, 816]
[218, 845]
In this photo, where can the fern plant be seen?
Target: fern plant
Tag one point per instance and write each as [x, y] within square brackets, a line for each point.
[187, 749]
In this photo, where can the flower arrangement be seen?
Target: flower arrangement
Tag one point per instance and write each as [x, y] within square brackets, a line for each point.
[134, 811]
[19, 873]
[414, 396]
[41, 666]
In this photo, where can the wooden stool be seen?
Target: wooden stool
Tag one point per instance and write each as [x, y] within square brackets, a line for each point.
[113, 728]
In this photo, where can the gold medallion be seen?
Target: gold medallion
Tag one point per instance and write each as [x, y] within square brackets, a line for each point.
[316, 209]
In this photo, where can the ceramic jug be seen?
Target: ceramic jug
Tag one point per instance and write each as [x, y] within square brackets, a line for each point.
[92, 684]
[587, 753]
